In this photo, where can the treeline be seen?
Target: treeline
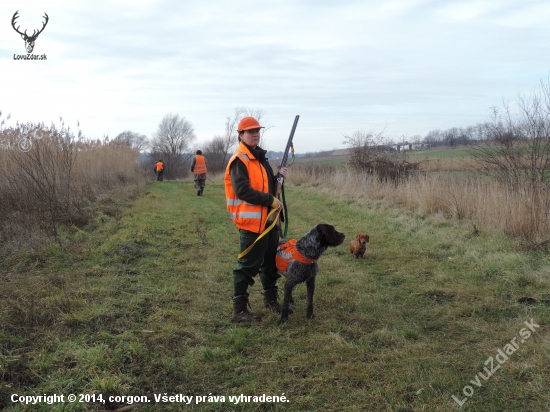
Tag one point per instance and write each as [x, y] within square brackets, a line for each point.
[487, 131]
[454, 136]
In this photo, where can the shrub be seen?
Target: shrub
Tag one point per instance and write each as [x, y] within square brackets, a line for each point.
[368, 154]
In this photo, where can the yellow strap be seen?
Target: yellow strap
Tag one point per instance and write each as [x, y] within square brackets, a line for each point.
[249, 248]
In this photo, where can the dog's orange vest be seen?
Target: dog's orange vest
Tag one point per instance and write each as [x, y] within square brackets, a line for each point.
[286, 253]
[200, 165]
[245, 215]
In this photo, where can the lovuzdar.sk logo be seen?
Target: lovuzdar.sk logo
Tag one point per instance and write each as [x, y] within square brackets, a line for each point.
[29, 40]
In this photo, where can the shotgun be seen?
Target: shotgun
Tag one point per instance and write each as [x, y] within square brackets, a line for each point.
[279, 177]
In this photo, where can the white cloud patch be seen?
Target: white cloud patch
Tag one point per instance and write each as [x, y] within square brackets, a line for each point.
[406, 66]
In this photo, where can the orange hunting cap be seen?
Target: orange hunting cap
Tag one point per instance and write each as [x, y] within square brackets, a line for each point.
[248, 123]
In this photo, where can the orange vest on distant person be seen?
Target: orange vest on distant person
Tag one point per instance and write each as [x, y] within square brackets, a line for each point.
[245, 215]
[286, 253]
[160, 166]
[200, 165]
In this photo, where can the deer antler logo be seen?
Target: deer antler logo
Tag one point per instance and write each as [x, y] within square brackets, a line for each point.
[29, 40]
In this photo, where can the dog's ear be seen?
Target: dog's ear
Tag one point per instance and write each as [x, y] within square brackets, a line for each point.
[323, 232]
[358, 237]
[328, 235]
[367, 237]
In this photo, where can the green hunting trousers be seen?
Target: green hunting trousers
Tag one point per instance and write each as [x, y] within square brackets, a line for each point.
[200, 181]
[260, 259]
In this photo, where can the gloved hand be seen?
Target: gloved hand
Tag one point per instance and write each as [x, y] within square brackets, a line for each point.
[276, 204]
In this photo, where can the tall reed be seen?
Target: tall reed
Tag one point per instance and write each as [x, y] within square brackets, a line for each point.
[524, 213]
[49, 176]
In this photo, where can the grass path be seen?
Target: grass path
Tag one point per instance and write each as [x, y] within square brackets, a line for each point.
[140, 304]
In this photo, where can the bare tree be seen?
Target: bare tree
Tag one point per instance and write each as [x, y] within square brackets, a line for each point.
[434, 137]
[230, 137]
[364, 146]
[170, 142]
[416, 139]
[451, 136]
[131, 139]
[517, 149]
[474, 133]
[259, 115]
[215, 154]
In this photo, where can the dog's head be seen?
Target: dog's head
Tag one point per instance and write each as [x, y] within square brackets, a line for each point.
[328, 236]
[318, 239]
[362, 238]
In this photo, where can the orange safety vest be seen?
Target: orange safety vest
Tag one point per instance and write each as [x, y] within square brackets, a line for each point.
[286, 253]
[160, 166]
[245, 215]
[200, 165]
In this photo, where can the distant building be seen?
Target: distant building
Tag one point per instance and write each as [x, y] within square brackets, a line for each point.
[408, 146]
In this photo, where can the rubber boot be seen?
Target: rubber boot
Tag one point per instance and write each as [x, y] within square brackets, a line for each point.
[202, 190]
[240, 310]
[271, 296]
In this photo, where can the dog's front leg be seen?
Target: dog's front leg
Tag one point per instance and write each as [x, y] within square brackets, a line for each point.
[289, 286]
[310, 283]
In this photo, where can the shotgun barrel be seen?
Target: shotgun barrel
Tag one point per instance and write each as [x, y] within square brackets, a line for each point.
[280, 178]
[288, 146]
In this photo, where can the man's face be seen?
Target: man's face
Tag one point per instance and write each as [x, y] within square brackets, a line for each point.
[251, 137]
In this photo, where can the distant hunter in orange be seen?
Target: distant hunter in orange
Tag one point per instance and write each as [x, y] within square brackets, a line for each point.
[198, 167]
[159, 170]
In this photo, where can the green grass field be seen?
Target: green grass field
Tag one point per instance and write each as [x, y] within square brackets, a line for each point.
[441, 152]
[139, 304]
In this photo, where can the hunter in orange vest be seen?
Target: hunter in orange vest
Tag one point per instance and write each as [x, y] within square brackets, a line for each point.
[250, 194]
[198, 167]
[159, 170]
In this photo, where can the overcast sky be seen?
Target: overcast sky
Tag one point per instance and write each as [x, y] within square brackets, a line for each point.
[405, 66]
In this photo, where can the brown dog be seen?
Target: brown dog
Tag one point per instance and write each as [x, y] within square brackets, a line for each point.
[357, 247]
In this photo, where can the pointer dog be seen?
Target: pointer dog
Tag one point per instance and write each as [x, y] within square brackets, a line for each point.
[297, 261]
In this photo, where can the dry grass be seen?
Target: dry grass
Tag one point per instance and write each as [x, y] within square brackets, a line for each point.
[49, 177]
[484, 202]
[448, 164]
